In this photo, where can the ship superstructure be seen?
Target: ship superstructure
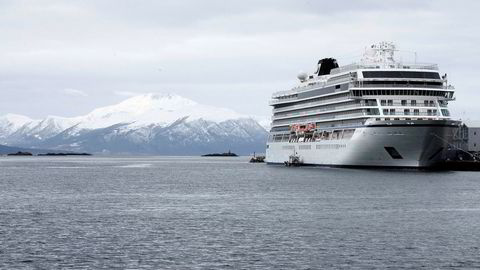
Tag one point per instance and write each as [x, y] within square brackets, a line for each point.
[378, 112]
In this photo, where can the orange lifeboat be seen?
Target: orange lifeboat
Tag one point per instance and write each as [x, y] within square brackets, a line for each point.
[299, 128]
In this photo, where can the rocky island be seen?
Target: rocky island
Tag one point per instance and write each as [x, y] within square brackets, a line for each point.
[228, 154]
[20, 153]
[64, 154]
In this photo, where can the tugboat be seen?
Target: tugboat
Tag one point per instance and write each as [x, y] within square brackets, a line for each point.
[293, 160]
[257, 159]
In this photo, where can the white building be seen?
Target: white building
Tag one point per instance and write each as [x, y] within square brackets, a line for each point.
[474, 138]
[468, 136]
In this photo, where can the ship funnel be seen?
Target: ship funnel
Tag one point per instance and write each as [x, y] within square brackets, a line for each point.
[326, 65]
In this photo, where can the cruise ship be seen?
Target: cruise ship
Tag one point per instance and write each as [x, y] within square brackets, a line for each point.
[378, 112]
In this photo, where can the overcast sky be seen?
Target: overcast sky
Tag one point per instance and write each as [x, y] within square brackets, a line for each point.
[68, 57]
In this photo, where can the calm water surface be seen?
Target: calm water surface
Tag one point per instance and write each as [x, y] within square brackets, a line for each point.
[223, 213]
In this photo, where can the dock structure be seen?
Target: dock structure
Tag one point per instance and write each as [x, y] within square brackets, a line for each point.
[466, 141]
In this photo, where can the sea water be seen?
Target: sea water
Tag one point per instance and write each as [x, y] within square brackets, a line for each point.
[224, 213]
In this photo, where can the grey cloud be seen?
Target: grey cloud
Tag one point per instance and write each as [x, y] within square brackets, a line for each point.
[223, 53]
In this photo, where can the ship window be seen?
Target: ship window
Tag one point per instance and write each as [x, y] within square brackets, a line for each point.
[393, 152]
[425, 102]
[383, 102]
[413, 102]
[390, 102]
[434, 112]
[416, 112]
[404, 103]
[401, 74]
[406, 112]
[337, 86]
[385, 111]
[392, 111]
[445, 112]
[431, 103]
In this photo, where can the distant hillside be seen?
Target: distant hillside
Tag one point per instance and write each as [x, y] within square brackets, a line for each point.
[4, 150]
[150, 124]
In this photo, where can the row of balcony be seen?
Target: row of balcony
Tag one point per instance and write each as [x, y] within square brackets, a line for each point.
[323, 117]
[322, 110]
[280, 113]
[380, 92]
[396, 85]
[373, 112]
[429, 103]
[324, 101]
[412, 113]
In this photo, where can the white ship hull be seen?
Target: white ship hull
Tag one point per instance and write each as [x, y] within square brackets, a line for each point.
[378, 112]
[419, 146]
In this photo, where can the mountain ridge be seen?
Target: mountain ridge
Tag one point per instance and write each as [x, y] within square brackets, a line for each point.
[145, 124]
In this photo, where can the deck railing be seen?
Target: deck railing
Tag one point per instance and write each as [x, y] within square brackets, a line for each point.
[332, 109]
[356, 66]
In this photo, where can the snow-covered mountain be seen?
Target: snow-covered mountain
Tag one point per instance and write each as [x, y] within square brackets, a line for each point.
[146, 124]
[10, 123]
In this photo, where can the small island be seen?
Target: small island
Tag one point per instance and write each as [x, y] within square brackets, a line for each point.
[229, 154]
[64, 154]
[20, 153]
